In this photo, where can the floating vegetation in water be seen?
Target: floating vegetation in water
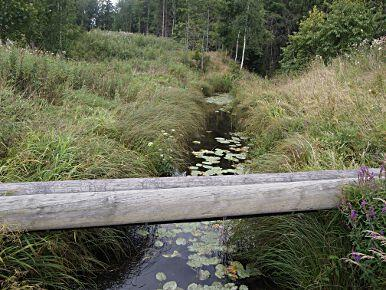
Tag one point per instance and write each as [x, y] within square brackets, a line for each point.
[213, 160]
[173, 255]
[158, 244]
[221, 270]
[202, 247]
[220, 100]
[203, 275]
[181, 242]
[143, 232]
[197, 261]
[160, 276]
[171, 285]
[217, 286]
[213, 171]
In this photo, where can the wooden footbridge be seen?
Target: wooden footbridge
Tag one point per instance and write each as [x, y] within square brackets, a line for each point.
[93, 203]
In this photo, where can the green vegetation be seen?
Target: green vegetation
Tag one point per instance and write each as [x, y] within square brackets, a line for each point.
[346, 24]
[252, 31]
[128, 113]
[329, 117]
[364, 210]
[103, 104]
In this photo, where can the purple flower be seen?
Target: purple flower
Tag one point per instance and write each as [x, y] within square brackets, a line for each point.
[384, 209]
[363, 203]
[372, 213]
[353, 215]
[382, 232]
[356, 256]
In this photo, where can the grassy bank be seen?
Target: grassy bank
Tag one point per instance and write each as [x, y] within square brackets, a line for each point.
[119, 106]
[329, 117]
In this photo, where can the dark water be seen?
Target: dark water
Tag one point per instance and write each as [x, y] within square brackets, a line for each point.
[194, 255]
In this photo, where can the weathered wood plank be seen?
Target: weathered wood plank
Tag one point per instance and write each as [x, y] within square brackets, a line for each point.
[165, 183]
[89, 209]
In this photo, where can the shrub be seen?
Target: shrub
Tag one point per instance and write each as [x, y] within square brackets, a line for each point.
[348, 23]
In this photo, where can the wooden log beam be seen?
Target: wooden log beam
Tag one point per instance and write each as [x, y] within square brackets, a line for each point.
[30, 188]
[107, 208]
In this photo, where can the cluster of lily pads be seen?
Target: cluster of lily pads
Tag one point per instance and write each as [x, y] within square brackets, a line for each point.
[206, 246]
[235, 153]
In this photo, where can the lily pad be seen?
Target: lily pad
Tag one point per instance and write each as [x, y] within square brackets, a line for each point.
[181, 242]
[197, 261]
[171, 285]
[220, 271]
[213, 171]
[173, 255]
[203, 275]
[143, 232]
[158, 244]
[160, 276]
[196, 173]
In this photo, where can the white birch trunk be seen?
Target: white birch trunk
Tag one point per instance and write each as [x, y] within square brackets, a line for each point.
[163, 18]
[237, 47]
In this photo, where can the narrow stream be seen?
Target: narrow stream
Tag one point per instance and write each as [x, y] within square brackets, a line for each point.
[195, 255]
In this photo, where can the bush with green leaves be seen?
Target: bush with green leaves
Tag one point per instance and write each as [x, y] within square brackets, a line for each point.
[364, 209]
[327, 34]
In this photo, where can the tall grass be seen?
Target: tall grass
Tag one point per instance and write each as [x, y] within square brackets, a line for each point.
[298, 251]
[122, 106]
[329, 117]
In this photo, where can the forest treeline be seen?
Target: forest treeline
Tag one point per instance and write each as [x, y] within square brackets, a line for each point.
[253, 32]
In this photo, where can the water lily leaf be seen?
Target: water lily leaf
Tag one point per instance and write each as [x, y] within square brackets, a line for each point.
[160, 276]
[196, 173]
[207, 166]
[241, 156]
[231, 157]
[213, 171]
[173, 255]
[203, 275]
[220, 271]
[158, 244]
[143, 232]
[224, 141]
[197, 261]
[194, 286]
[219, 152]
[181, 241]
[171, 285]
[220, 100]
[243, 287]
[231, 286]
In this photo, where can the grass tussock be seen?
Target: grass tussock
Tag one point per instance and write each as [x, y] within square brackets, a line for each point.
[329, 117]
[121, 106]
